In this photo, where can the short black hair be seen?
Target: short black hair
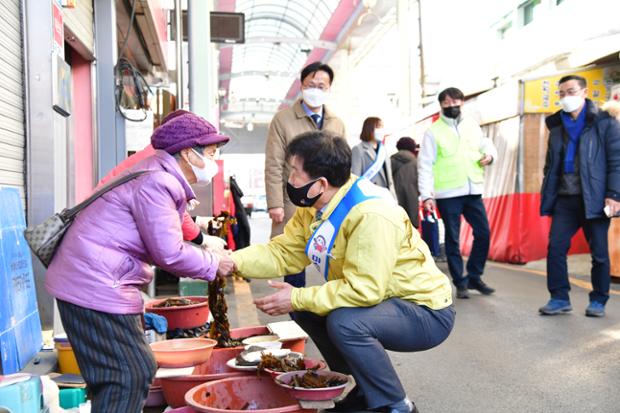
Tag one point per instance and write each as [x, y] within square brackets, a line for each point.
[408, 144]
[316, 67]
[324, 155]
[583, 83]
[453, 92]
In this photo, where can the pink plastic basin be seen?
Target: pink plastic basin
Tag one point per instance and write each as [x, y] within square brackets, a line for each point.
[182, 352]
[187, 316]
[311, 364]
[321, 394]
[240, 394]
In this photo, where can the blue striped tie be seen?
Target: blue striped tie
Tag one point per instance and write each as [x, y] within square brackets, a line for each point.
[317, 118]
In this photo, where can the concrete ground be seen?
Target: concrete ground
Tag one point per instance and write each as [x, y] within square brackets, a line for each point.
[502, 356]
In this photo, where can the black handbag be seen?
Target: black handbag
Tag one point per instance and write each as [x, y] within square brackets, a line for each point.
[44, 239]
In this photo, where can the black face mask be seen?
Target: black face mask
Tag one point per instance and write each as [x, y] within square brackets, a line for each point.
[451, 112]
[299, 196]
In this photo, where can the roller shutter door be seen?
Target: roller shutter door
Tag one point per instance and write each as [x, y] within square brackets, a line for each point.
[12, 133]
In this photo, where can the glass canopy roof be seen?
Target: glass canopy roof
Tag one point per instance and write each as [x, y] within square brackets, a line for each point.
[279, 35]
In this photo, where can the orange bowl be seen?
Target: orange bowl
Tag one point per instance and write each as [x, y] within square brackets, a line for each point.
[182, 352]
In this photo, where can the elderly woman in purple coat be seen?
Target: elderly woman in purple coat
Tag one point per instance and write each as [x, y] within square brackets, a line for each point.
[107, 253]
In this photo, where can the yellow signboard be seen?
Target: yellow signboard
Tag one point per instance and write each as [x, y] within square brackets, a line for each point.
[541, 95]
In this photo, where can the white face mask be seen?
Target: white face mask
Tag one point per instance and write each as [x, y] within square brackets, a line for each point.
[206, 173]
[314, 97]
[571, 103]
[379, 134]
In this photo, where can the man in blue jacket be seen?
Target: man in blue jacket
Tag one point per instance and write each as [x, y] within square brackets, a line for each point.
[580, 189]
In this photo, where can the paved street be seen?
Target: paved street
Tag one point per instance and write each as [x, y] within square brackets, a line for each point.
[502, 356]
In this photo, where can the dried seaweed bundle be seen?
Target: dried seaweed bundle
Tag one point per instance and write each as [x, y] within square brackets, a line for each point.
[311, 380]
[175, 302]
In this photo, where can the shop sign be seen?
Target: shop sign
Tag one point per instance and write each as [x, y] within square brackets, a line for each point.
[58, 29]
[541, 95]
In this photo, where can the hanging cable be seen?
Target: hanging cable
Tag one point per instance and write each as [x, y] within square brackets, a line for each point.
[131, 18]
[132, 89]
[130, 83]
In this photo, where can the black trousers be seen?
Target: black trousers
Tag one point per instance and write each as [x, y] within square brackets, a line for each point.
[568, 216]
[114, 357]
[472, 209]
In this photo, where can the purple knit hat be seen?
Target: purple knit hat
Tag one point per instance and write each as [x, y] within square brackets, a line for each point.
[185, 131]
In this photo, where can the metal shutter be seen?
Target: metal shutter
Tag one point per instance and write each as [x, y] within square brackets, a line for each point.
[12, 135]
[79, 23]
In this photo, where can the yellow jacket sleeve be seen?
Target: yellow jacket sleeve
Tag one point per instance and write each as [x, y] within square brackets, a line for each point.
[373, 244]
[284, 254]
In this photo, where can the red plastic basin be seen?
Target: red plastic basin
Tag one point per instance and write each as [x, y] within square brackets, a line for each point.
[240, 394]
[187, 316]
[214, 369]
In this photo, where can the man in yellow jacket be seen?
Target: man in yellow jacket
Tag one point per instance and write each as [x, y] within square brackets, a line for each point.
[382, 289]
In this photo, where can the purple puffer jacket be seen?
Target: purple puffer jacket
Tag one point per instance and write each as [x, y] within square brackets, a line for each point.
[104, 257]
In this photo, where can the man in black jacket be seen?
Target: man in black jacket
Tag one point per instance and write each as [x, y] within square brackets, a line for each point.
[580, 189]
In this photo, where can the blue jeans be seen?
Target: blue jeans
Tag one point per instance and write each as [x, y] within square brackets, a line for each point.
[568, 217]
[472, 209]
[354, 340]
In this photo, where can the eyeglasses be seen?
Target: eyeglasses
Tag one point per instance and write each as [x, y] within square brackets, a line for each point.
[569, 92]
[311, 85]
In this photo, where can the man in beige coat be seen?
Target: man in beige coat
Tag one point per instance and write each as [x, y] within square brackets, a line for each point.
[306, 115]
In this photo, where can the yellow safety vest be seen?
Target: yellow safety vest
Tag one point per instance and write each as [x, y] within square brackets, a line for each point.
[458, 153]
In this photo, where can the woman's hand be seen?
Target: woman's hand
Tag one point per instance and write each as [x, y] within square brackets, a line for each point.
[277, 303]
[226, 265]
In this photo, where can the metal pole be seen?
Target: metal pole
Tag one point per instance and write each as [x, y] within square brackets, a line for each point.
[191, 52]
[178, 17]
[111, 132]
[201, 93]
[421, 47]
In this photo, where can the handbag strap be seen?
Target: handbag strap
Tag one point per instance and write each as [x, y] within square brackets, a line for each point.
[70, 213]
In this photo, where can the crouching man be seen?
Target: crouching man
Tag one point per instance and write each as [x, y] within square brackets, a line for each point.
[382, 290]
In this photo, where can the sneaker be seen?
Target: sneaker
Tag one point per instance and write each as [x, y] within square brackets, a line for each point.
[595, 309]
[481, 287]
[461, 292]
[555, 306]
